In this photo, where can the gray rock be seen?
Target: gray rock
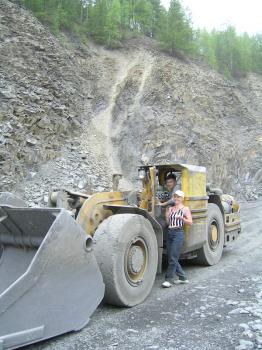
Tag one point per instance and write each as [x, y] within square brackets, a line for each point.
[31, 141]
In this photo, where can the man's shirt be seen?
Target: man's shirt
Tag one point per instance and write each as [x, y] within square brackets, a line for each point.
[171, 201]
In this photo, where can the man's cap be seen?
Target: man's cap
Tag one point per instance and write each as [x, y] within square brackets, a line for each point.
[180, 193]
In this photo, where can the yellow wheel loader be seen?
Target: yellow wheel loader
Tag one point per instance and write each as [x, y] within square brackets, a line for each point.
[58, 263]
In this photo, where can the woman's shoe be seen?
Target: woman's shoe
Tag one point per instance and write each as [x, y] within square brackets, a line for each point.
[181, 280]
[166, 284]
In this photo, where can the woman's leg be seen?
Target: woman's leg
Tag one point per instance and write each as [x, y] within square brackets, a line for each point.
[180, 272]
[171, 269]
[179, 243]
[174, 244]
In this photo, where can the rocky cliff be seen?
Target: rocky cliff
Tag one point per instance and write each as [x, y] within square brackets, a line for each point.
[72, 114]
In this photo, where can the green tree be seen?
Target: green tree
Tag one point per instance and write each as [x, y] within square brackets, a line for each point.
[109, 21]
[243, 61]
[156, 16]
[98, 30]
[256, 53]
[124, 17]
[113, 24]
[143, 11]
[205, 43]
[175, 32]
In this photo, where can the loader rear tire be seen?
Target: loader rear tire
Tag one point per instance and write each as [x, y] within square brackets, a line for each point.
[211, 252]
[126, 250]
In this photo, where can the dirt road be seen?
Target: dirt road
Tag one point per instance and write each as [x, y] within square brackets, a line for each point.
[221, 308]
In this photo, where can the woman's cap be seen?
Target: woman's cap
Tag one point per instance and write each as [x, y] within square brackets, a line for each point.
[180, 193]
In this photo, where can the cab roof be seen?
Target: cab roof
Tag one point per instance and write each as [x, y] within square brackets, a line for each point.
[177, 167]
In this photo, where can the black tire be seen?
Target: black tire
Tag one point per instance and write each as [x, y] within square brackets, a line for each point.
[126, 250]
[211, 252]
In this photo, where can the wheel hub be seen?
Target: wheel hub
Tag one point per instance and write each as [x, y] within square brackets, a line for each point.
[214, 233]
[135, 259]
[213, 236]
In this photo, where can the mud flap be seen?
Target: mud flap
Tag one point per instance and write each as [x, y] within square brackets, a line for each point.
[50, 282]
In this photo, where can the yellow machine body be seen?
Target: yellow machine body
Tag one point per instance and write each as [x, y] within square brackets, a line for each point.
[192, 180]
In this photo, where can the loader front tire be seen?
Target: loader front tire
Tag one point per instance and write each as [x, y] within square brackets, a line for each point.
[126, 250]
[211, 252]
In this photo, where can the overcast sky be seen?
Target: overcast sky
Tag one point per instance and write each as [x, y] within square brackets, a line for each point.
[246, 16]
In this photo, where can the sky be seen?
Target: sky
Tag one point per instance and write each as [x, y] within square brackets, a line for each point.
[245, 16]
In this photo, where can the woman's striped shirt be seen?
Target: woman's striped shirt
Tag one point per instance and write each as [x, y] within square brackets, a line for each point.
[176, 218]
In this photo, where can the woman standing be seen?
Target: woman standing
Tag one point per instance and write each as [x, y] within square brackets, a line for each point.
[176, 216]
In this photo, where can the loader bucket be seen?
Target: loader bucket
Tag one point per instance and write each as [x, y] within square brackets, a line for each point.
[50, 282]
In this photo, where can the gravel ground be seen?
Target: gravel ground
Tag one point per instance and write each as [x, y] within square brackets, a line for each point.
[221, 308]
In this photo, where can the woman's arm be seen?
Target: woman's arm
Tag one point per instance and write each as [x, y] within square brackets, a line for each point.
[187, 217]
[169, 202]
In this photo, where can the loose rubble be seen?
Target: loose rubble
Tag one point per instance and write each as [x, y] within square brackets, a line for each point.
[252, 330]
[53, 90]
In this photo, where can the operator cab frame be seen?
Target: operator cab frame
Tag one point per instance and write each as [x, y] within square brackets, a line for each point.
[191, 178]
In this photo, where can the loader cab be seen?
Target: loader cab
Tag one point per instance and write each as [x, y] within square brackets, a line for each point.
[154, 187]
[191, 180]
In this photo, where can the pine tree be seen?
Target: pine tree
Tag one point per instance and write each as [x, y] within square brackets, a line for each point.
[176, 33]
[256, 53]
[143, 16]
[205, 43]
[109, 21]
[99, 21]
[156, 16]
[113, 24]
[124, 17]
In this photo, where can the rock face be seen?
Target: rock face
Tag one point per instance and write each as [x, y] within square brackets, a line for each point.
[46, 94]
[38, 95]
[188, 113]
[72, 114]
